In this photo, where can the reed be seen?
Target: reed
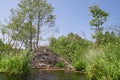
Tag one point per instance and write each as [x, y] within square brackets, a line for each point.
[15, 63]
[104, 63]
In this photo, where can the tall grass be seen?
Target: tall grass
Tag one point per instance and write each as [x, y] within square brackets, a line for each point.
[104, 63]
[15, 63]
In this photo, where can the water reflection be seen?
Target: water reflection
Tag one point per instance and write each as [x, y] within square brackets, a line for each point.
[46, 75]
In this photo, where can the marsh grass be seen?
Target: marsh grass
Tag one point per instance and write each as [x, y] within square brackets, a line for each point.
[104, 63]
[15, 63]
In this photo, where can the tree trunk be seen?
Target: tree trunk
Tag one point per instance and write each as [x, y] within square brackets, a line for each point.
[30, 34]
[31, 41]
[39, 24]
[38, 31]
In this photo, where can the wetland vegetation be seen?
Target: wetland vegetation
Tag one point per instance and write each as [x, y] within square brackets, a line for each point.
[98, 59]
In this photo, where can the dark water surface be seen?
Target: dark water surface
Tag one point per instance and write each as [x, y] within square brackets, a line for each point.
[46, 75]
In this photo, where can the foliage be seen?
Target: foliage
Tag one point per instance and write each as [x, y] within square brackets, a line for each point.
[109, 38]
[99, 18]
[1, 45]
[101, 61]
[72, 48]
[15, 63]
[60, 64]
[104, 63]
[80, 65]
[112, 54]
[4, 47]
[29, 20]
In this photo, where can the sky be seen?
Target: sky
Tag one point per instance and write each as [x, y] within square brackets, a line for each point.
[72, 15]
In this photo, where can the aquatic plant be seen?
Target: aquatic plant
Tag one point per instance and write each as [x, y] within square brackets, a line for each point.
[15, 63]
[104, 63]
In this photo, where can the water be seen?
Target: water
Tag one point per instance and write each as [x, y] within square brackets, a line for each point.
[46, 75]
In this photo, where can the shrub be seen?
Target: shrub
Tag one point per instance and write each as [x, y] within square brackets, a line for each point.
[80, 65]
[15, 64]
[72, 48]
[60, 64]
[104, 63]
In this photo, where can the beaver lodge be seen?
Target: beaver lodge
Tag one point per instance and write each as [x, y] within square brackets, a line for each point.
[44, 58]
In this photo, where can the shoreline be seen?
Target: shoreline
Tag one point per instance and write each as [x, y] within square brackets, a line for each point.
[56, 69]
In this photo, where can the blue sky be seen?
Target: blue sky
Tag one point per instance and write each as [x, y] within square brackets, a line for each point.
[72, 15]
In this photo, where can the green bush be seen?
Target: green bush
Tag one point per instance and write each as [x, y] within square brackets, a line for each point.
[60, 64]
[15, 63]
[80, 65]
[104, 63]
[71, 47]
[5, 47]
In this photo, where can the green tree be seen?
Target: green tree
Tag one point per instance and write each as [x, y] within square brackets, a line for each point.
[72, 48]
[107, 37]
[99, 18]
[43, 16]
[29, 20]
[110, 37]
[1, 46]
[19, 31]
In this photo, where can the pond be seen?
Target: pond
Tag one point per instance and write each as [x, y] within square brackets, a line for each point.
[46, 75]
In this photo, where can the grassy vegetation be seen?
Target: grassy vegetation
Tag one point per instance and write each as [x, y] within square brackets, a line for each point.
[99, 62]
[104, 63]
[72, 48]
[60, 65]
[100, 59]
[15, 63]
